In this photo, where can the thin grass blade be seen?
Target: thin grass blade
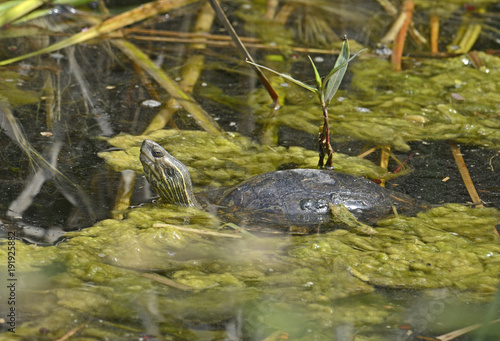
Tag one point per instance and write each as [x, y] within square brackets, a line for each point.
[19, 10]
[287, 77]
[127, 18]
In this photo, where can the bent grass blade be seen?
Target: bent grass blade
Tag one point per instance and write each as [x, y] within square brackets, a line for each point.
[287, 77]
[137, 14]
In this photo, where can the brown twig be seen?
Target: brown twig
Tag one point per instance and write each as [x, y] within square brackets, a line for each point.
[222, 43]
[198, 231]
[166, 281]
[205, 36]
[467, 179]
[367, 152]
[202, 118]
[191, 70]
[398, 47]
[454, 334]
[465, 175]
[70, 333]
[384, 161]
[402, 164]
[434, 33]
[271, 9]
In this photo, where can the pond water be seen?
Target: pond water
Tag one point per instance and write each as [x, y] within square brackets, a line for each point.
[87, 252]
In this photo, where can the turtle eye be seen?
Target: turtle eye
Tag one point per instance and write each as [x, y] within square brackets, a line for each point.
[157, 153]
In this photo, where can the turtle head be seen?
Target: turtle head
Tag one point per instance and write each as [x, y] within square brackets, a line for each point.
[168, 177]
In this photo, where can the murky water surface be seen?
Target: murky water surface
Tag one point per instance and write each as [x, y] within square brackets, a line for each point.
[86, 251]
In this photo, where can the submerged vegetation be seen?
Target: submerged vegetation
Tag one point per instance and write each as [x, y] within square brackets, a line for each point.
[77, 78]
[450, 247]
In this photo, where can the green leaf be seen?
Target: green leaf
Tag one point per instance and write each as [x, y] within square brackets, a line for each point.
[332, 83]
[287, 77]
[334, 78]
[316, 74]
[335, 69]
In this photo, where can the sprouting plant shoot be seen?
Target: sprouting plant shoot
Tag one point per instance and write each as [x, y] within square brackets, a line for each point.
[327, 88]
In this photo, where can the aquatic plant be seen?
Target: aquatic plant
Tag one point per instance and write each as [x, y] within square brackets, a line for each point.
[327, 88]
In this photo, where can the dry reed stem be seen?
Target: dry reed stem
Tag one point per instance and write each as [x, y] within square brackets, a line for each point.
[434, 33]
[271, 9]
[210, 40]
[71, 333]
[112, 24]
[391, 35]
[388, 7]
[465, 175]
[416, 35]
[198, 231]
[368, 152]
[201, 117]
[467, 179]
[166, 281]
[285, 11]
[384, 160]
[244, 52]
[454, 334]
[467, 34]
[397, 49]
[191, 35]
[222, 43]
[190, 72]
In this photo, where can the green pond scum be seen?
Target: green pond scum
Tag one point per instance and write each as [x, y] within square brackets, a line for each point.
[219, 160]
[158, 273]
[10, 89]
[109, 276]
[432, 99]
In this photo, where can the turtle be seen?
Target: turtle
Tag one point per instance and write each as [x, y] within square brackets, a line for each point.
[277, 201]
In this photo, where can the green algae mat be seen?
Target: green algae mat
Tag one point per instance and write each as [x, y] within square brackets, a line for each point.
[160, 271]
[434, 99]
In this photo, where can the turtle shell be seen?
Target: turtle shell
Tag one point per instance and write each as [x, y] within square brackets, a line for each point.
[300, 197]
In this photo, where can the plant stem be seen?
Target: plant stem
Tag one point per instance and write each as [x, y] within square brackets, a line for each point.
[324, 141]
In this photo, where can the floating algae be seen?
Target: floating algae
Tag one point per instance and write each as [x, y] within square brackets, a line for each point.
[10, 89]
[323, 281]
[432, 100]
[98, 272]
[449, 246]
[420, 103]
[225, 160]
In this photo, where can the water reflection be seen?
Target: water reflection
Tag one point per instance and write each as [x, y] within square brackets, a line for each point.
[102, 281]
